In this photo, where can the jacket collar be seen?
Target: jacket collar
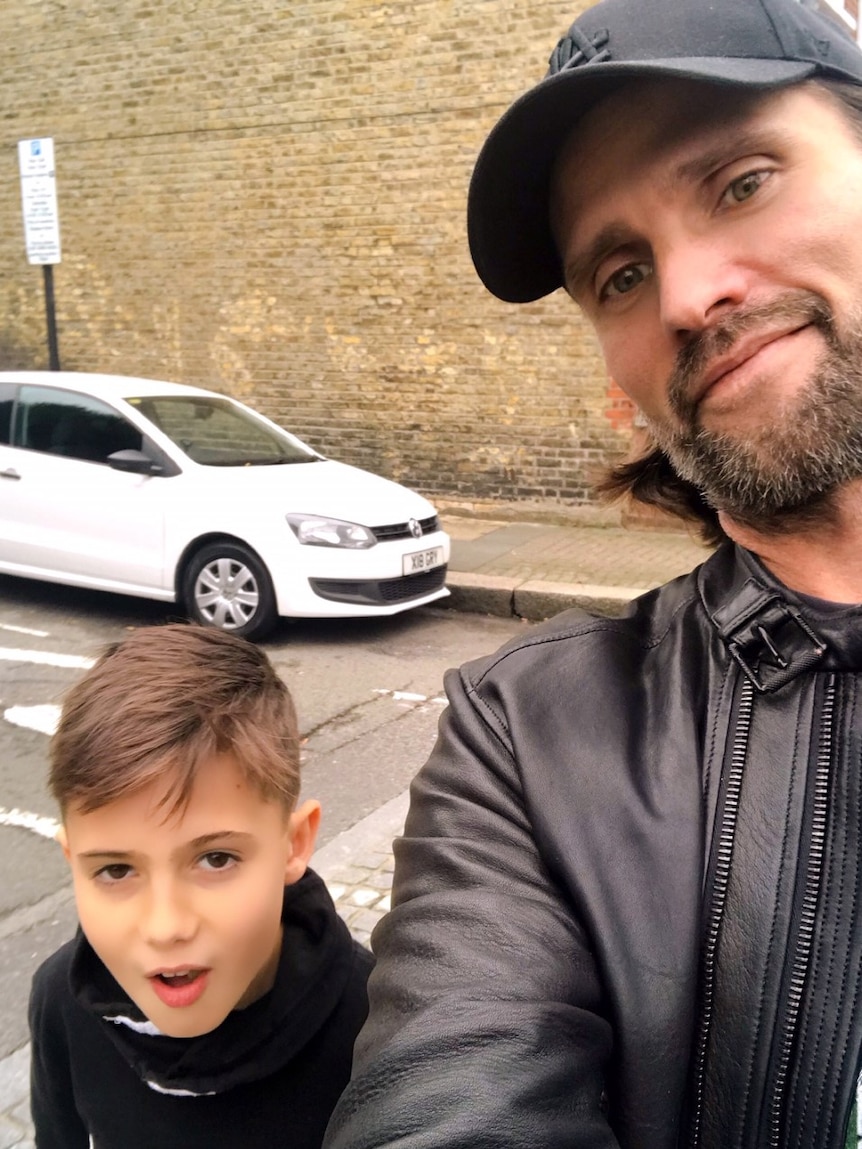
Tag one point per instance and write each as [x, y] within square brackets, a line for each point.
[773, 633]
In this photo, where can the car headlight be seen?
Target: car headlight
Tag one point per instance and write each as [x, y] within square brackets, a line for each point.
[314, 531]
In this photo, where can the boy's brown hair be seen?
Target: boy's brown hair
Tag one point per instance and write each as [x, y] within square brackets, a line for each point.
[163, 701]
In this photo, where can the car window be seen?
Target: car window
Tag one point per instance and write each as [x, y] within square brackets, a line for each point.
[217, 434]
[7, 401]
[76, 426]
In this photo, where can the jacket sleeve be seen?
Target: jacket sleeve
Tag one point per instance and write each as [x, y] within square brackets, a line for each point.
[55, 1117]
[487, 1026]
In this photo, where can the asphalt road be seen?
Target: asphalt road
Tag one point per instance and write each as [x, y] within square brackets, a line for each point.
[368, 693]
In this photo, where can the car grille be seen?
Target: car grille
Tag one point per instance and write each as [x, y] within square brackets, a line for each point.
[380, 592]
[402, 530]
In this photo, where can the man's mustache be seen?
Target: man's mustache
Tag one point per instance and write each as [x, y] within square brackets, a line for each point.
[793, 308]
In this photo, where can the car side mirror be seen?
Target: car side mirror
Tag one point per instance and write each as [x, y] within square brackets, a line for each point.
[137, 462]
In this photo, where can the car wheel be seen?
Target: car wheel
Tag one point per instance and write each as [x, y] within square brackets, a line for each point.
[228, 587]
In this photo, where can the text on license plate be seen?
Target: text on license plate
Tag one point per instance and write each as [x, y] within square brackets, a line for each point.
[423, 560]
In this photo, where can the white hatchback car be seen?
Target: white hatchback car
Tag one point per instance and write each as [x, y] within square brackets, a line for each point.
[175, 493]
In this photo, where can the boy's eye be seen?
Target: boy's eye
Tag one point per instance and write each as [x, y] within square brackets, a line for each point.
[115, 872]
[217, 860]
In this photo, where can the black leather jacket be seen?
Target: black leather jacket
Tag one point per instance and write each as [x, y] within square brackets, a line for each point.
[626, 901]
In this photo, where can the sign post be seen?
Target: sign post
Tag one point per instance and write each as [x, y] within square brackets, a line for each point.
[42, 223]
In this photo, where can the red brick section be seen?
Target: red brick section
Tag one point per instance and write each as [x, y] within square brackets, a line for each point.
[620, 411]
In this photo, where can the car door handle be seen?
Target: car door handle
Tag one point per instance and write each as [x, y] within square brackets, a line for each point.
[9, 473]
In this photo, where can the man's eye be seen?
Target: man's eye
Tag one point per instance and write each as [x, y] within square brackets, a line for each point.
[110, 875]
[624, 280]
[217, 860]
[744, 188]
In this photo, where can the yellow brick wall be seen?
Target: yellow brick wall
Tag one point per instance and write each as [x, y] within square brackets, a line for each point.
[269, 199]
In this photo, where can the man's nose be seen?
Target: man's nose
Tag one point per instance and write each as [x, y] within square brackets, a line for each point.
[698, 284]
[168, 915]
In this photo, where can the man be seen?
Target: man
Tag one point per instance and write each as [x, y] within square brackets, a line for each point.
[627, 898]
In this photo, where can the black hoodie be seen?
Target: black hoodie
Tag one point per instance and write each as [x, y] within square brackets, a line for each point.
[269, 1075]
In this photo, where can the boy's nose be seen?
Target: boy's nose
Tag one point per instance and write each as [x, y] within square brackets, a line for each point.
[168, 917]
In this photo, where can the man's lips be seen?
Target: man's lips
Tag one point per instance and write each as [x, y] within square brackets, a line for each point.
[742, 351]
[179, 987]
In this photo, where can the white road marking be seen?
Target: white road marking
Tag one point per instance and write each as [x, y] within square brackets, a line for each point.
[38, 823]
[406, 696]
[46, 658]
[23, 630]
[42, 718]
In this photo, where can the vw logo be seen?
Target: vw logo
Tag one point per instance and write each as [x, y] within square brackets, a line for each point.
[415, 528]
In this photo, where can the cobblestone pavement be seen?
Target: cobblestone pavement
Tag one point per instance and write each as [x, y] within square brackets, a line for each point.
[356, 866]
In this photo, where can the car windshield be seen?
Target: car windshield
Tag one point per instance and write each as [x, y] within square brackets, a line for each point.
[216, 433]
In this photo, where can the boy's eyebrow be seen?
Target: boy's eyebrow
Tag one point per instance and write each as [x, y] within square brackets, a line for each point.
[222, 837]
[117, 855]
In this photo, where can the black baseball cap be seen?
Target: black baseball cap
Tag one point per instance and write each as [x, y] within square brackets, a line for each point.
[745, 43]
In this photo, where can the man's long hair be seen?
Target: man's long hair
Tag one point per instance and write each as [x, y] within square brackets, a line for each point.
[650, 478]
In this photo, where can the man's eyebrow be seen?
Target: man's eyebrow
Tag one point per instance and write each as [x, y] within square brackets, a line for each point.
[579, 269]
[752, 141]
[736, 145]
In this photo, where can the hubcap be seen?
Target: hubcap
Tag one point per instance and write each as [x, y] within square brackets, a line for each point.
[226, 594]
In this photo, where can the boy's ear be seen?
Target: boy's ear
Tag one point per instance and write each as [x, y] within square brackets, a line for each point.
[63, 839]
[304, 824]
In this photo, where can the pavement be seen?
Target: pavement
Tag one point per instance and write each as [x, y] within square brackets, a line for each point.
[500, 566]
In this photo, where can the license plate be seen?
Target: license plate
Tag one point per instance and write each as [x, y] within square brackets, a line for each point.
[422, 560]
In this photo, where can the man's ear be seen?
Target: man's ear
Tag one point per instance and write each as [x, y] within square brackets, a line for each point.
[304, 824]
[63, 839]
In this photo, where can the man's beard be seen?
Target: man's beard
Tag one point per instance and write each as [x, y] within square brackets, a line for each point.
[783, 475]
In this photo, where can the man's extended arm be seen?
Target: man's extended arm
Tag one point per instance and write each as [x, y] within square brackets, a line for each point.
[487, 1025]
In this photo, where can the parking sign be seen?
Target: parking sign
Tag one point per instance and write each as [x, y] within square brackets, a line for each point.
[39, 200]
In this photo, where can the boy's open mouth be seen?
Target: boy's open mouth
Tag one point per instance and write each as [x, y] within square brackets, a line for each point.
[179, 978]
[180, 988]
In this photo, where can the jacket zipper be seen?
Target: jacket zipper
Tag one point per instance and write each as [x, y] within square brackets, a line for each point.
[724, 860]
[810, 898]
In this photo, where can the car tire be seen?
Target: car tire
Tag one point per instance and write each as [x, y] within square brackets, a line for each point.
[226, 586]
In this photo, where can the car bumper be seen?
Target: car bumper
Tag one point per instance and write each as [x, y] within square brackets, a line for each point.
[401, 591]
[354, 584]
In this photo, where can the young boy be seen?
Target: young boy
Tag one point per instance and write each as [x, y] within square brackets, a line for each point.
[212, 995]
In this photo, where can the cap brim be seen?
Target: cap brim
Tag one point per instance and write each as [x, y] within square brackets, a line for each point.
[507, 212]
